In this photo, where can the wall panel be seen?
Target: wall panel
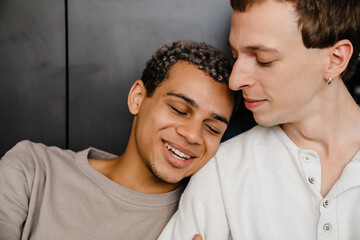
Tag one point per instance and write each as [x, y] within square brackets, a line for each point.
[32, 72]
[109, 43]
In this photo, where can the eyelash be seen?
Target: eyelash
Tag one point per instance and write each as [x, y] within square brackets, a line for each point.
[212, 130]
[264, 64]
[208, 127]
[178, 111]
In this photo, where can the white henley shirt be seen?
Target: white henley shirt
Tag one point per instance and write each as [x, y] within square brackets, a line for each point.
[260, 186]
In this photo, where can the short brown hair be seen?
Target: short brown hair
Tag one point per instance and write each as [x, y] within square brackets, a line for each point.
[323, 23]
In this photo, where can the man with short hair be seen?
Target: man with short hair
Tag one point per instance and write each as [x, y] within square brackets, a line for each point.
[50, 193]
[296, 176]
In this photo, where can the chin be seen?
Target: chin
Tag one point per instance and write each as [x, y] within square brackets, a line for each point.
[165, 178]
[164, 175]
[266, 122]
[168, 179]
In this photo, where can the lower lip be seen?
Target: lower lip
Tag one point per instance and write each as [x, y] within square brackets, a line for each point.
[254, 104]
[169, 155]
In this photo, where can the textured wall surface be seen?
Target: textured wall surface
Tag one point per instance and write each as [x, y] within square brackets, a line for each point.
[32, 72]
[66, 66]
[110, 42]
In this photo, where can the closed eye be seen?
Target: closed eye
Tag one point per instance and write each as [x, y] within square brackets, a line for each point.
[177, 111]
[264, 64]
[212, 130]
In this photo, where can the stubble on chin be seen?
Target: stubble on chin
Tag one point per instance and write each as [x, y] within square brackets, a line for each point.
[157, 174]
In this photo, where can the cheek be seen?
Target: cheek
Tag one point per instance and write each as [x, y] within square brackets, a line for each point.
[281, 84]
[152, 118]
[211, 149]
[197, 167]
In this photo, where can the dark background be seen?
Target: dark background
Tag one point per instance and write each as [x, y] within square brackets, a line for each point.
[66, 66]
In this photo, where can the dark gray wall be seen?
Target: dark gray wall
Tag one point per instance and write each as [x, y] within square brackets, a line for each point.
[110, 42]
[75, 97]
[108, 45]
[32, 72]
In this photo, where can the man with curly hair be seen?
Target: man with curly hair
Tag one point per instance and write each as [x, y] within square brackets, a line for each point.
[181, 106]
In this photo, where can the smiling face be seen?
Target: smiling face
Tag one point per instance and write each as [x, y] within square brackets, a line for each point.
[179, 128]
[281, 80]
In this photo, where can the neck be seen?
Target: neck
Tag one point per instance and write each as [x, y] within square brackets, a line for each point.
[332, 130]
[332, 122]
[130, 171]
[136, 176]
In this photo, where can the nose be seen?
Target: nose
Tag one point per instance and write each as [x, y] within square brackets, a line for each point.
[192, 131]
[239, 78]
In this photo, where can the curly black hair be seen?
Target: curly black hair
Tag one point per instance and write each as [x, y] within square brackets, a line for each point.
[206, 57]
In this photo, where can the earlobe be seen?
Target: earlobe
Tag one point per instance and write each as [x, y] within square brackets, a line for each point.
[136, 96]
[339, 58]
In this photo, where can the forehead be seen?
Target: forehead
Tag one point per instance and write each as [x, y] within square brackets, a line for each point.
[185, 78]
[271, 23]
[185, 75]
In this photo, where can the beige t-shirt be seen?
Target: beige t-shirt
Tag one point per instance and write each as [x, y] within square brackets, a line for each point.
[50, 193]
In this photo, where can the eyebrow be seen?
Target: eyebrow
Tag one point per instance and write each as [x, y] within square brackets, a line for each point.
[185, 98]
[262, 48]
[195, 105]
[259, 47]
[220, 118]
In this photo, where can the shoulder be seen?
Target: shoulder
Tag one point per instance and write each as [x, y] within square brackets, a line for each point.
[27, 154]
[240, 152]
[257, 136]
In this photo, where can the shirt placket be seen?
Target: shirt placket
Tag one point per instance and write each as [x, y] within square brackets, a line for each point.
[327, 224]
[310, 163]
[325, 208]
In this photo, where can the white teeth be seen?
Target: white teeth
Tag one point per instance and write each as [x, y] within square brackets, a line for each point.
[177, 153]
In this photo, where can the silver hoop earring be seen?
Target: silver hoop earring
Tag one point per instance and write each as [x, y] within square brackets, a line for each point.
[329, 81]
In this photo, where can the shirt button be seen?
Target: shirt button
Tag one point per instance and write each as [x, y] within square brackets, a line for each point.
[327, 228]
[306, 158]
[311, 180]
[326, 203]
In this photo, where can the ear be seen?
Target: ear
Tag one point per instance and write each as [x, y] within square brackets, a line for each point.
[136, 96]
[340, 55]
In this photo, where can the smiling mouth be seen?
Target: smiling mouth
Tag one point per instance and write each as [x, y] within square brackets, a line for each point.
[177, 153]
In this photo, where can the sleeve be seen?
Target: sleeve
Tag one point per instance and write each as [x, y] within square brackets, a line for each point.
[14, 192]
[201, 209]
